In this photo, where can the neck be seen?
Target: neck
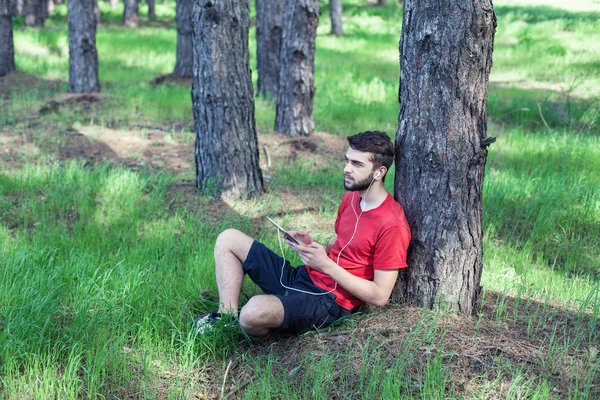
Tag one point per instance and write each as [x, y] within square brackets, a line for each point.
[373, 197]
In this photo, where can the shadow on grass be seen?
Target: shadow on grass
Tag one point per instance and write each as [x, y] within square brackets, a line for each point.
[541, 109]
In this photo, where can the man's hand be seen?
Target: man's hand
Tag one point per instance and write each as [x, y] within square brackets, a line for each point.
[302, 236]
[314, 256]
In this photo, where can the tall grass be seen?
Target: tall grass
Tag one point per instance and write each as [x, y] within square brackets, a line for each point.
[102, 268]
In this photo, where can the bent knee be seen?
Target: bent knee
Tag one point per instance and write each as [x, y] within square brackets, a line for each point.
[233, 241]
[258, 316]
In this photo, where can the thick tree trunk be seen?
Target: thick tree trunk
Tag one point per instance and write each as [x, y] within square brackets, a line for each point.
[151, 9]
[446, 57]
[296, 78]
[269, 15]
[83, 57]
[131, 17]
[7, 50]
[223, 100]
[184, 60]
[35, 12]
[335, 11]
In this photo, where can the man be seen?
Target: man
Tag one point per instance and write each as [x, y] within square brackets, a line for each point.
[359, 265]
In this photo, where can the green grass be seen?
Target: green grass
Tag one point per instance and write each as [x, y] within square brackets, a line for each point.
[102, 267]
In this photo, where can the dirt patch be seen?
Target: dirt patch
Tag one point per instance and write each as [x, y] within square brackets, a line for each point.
[87, 101]
[22, 82]
[172, 78]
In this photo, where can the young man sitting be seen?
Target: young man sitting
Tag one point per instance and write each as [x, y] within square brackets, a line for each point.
[359, 265]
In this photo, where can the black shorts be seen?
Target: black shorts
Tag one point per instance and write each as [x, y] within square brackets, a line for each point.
[302, 312]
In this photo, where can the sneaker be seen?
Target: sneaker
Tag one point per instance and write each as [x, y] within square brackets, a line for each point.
[205, 323]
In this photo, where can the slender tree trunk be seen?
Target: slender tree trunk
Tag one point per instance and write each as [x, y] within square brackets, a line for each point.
[296, 79]
[446, 57]
[35, 12]
[83, 57]
[335, 11]
[381, 2]
[151, 9]
[19, 7]
[114, 4]
[131, 17]
[7, 50]
[184, 60]
[223, 100]
[50, 10]
[269, 15]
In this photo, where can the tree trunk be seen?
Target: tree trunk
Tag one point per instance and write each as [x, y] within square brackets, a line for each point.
[269, 14]
[7, 49]
[35, 12]
[114, 4]
[97, 13]
[151, 9]
[446, 57]
[381, 2]
[131, 17]
[335, 11]
[184, 60]
[296, 78]
[83, 57]
[223, 100]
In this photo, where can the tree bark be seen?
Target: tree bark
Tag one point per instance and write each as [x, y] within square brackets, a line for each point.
[446, 58]
[335, 11]
[184, 60]
[296, 78]
[223, 101]
[8, 9]
[97, 13]
[83, 57]
[151, 9]
[35, 12]
[131, 17]
[269, 14]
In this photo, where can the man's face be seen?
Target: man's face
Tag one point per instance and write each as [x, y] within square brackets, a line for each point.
[358, 172]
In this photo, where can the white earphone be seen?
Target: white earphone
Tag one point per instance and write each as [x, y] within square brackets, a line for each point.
[378, 174]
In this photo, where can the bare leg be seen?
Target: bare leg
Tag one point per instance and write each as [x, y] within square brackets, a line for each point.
[231, 250]
[261, 314]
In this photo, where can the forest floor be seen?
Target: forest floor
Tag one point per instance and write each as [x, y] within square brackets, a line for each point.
[476, 349]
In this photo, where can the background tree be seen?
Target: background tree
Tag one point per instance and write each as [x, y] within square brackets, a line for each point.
[335, 11]
[296, 78]
[151, 9]
[446, 58]
[8, 9]
[131, 17]
[83, 57]
[35, 12]
[223, 100]
[269, 15]
[184, 61]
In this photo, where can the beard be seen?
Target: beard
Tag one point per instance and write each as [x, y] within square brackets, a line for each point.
[360, 185]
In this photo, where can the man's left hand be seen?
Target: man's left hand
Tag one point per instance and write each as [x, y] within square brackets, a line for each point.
[314, 256]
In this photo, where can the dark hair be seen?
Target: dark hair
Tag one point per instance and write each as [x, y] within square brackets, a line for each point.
[378, 144]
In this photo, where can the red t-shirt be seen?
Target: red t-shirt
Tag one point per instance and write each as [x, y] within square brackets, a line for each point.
[380, 242]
